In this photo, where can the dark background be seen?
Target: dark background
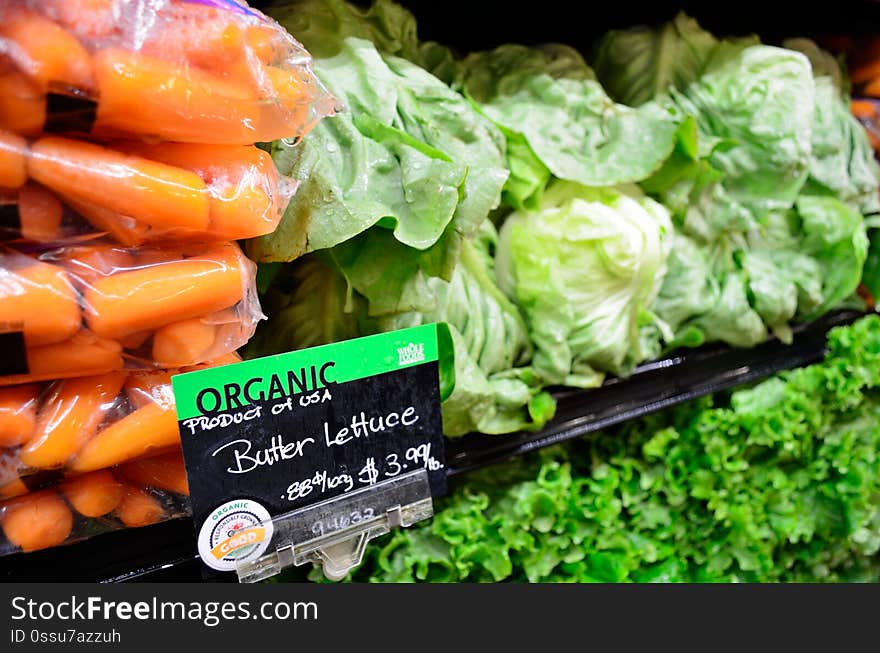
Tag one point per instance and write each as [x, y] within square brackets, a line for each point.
[481, 24]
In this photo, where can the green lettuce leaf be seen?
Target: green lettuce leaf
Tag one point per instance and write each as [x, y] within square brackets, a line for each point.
[557, 116]
[309, 304]
[796, 266]
[638, 64]
[843, 163]
[758, 102]
[493, 391]
[388, 25]
[585, 268]
[407, 154]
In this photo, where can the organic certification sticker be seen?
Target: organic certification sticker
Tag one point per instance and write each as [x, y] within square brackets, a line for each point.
[237, 531]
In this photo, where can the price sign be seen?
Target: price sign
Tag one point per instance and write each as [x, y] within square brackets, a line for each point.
[267, 436]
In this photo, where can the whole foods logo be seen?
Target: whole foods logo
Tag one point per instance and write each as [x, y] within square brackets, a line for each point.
[412, 353]
[235, 532]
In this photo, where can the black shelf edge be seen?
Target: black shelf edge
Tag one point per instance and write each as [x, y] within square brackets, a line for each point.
[660, 384]
[166, 552]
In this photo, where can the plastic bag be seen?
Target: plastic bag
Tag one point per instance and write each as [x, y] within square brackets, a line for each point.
[190, 71]
[85, 424]
[137, 192]
[136, 494]
[92, 309]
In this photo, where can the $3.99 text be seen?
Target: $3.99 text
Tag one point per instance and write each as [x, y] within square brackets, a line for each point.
[370, 473]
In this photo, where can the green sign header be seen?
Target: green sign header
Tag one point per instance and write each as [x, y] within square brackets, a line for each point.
[236, 386]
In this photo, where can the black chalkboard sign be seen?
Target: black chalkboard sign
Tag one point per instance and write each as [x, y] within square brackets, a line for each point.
[267, 436]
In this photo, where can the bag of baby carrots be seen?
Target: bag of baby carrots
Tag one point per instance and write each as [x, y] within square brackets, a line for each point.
[139, 493]
[192, 71]
[55, 190]
[96, 309]
[52, 431]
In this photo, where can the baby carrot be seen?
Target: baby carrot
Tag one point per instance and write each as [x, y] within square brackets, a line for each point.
[93, 494]
[22, 105]
[13, 160]
[863, 109]
[143, 388]
[15, 488]
[40, 297]
[148, 430]
[150, 192]
[40, 213]
[83, 354]
[45, 51]
[69, 417]
[242, 181]
[122, 228]
[138, 508]
[183, 343]
[164, 472]
[18, 414]
[135, 340]
[152, 297]
[872, 89]
[865, 72]
[36, 521]
[147, 95]
[86, 263]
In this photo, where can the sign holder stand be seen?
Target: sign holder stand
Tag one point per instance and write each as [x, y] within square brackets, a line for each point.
[334, 533]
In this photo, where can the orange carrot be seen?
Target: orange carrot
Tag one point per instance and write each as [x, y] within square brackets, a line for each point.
[183, 343]
[81, 355]
[872, 89]
[148, 430]
[36, 521]
[152, 297]
[290, 113]
[12, 489]
[86, 263]
[165, 472]
[18, 414]
[863, 109]
[13, 160]
[144, 388]
[146, 95]
[135, 340]
[40, 297]
[225, 359]
[69, 418]
[865, 72]
[40, 213]
[242, 181]
[43, 50]
[150, 192]
[22, 105]
[93, 494]
[123, 229]
[138, 508]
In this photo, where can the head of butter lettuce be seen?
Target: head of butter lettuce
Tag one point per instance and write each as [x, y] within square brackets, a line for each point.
[585, 267]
